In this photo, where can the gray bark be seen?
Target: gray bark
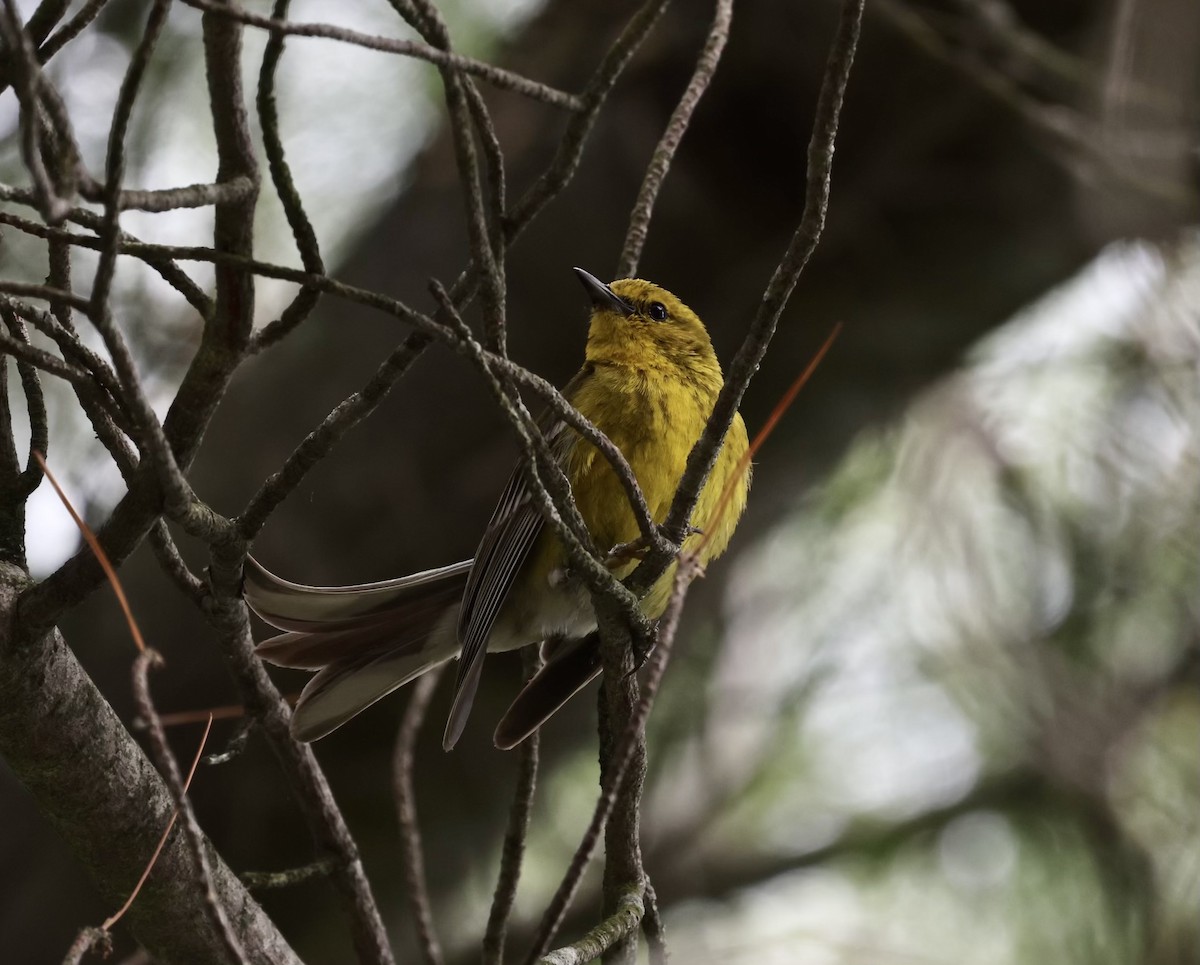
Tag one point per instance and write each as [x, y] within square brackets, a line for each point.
[88, 775]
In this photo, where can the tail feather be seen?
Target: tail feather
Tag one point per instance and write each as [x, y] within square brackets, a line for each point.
[293, 606]
[351, 685]
[364, 641]
[570, 667]
[316, 650]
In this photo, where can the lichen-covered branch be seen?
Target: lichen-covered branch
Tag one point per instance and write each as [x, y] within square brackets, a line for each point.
[617, 927]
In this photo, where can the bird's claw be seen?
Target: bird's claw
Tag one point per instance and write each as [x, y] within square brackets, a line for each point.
[643, 646]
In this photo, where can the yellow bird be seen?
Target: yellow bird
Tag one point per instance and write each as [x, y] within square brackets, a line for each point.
[649, 382]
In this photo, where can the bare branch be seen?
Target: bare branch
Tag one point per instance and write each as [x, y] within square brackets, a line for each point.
[167, 269]
[653, 929]
[493, 75]
[622, 923]
[416, 888]
[465, 105]
[41, 359]
[783, 281]
[281, 177]
[570, 149]
[172, 199]
[268, 880]
[46, 293]
[174, 565]
[71, 29]
[103, 410]
[95, 940]
[513, 851]
[664, 153]
[317, 444]
[28, 83]
[29, 359]
[151, 438]
[618, 761]
[227, 613]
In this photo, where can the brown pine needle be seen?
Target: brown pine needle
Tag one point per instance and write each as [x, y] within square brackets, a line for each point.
[98, 552]
[113, 919]
[768, 427]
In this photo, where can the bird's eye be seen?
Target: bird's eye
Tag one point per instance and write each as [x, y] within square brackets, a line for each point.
[657, 311]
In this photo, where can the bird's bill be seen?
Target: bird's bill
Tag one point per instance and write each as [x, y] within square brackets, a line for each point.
[602, 296]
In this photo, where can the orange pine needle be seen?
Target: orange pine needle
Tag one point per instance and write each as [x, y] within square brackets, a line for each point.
[116, 917]
[768, 427]
[97, 551]
[226, 712]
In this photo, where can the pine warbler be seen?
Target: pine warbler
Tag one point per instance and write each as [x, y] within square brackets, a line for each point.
[649, 382]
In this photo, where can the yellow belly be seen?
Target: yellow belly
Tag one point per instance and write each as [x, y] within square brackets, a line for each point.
[656, 444]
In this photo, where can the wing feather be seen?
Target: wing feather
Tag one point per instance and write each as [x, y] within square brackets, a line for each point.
[511, 534]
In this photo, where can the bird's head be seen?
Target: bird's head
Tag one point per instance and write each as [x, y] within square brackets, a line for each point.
[635, 322]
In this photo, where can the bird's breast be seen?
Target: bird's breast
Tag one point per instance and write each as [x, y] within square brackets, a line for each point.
[654, 418]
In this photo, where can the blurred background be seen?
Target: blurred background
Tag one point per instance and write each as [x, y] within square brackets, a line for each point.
[939, 703]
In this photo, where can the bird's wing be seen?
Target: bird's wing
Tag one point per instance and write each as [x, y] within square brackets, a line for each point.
[505, 546]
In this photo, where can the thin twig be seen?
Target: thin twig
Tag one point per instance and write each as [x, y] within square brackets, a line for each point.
[167, 765]
[101, 557]
[235, 746]
[71, 29]
[152, 441]
[750, 354]
[172, 199]
[227, 613]
[293, 206]
[48, 293]
[618, 763]
[654, 930]
[40, 358]
[268, 880]
[513, 851]
[54, 325]
[95, 940]
[103, 410]
[317, 444]
[28, 81]
[570, 149]
[489, 262]
[174, 565]
[664, 152]
[167, 269]
[618, 926]
[28, 358]
[548, 483]
[496, 76]
[416, 887]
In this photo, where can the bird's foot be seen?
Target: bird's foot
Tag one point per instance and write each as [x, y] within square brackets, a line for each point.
[622, 553]
[643, 645]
